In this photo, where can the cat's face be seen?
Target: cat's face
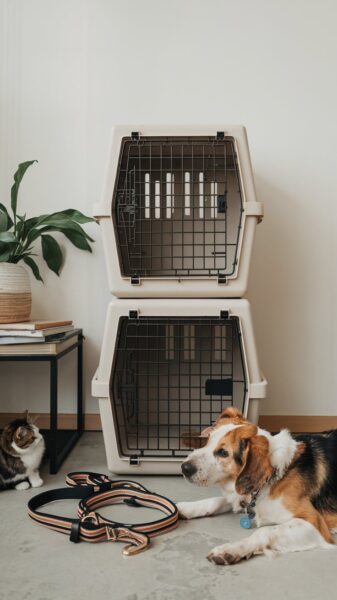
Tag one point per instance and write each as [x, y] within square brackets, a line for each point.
[24, 436]
[21, 435]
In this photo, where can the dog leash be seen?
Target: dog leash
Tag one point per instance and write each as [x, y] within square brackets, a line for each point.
[94, 490]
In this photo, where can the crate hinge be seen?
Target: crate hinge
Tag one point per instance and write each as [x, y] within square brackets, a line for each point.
[224, 315]
[134, 460]
[222, 279]
[135, 280]
[220, 135]
[135, 136]
[133, 314]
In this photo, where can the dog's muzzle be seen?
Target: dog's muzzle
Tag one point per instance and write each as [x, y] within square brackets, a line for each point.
[188, 469]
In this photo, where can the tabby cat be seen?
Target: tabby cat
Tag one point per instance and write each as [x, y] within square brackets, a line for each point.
[21, 450]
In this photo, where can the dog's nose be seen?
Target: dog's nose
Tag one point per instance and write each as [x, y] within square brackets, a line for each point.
[188, 468]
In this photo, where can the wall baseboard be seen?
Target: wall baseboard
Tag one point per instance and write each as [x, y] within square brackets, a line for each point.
[92, 422]
[298, 423]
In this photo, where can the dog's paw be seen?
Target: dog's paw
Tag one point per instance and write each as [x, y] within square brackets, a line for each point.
[227, 554]
[23, 485]
[185, 510]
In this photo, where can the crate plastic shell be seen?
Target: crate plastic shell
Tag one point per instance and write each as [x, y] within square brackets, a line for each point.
[167, 369]
[178, 212]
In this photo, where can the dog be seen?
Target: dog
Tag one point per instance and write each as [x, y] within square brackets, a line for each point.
[288, 482]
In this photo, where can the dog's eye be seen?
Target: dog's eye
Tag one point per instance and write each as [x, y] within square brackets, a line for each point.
[222, 453]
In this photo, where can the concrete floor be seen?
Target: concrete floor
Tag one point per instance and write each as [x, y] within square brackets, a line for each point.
[38, 564]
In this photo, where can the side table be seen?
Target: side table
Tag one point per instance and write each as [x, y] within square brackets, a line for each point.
[59, 442]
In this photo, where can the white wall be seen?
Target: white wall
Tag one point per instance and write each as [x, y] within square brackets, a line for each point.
[72, 68]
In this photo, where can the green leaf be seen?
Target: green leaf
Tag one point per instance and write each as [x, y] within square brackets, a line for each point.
[32, 264]
[63, 227]
[15, 258]
[20, 228]
[22, 168]
[77, 216]
[7, 236]
[78, 240]
[4, 210]
[6, 251]
[52, 253]
[34, 220]
[3, 221]
[63, 222]
[4, 256]
[52, 219]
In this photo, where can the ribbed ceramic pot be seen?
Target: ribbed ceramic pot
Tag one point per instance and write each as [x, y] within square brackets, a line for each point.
[15, 294]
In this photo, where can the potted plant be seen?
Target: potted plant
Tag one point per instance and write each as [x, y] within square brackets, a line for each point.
[18, 237]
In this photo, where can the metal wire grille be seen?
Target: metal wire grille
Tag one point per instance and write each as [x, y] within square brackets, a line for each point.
[171, 378]
[177, 207]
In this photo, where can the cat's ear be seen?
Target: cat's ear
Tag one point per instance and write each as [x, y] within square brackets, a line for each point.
[30, 420]
[21, 432]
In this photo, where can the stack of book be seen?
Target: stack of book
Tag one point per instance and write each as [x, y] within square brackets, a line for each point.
[36, 337]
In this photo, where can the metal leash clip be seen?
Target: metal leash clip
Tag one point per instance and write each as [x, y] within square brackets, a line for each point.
[138, 541]
[92, 517]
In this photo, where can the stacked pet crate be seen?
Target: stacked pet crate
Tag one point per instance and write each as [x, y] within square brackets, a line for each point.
[178, 219]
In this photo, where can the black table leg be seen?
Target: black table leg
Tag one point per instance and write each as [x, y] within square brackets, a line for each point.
[53, 416]
[57, 455]
[80, 424]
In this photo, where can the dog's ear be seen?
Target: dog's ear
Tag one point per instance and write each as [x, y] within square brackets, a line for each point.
[206, 432]
[204, 436]
[237, 439]
[195, 439]
[257, 468]
[231, 413]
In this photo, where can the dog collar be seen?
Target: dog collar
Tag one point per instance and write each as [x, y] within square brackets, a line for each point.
[246, 521]
[94, 490]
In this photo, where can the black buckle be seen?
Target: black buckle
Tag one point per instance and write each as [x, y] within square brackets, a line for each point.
[75, 532]
[131, 501]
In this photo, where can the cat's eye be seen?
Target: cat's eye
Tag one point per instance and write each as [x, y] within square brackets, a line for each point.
[222, 453]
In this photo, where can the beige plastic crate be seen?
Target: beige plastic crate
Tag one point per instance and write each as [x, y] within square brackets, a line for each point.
[178, 212]
[167, 369]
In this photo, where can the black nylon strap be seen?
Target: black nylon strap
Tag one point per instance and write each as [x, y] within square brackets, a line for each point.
[75, 493]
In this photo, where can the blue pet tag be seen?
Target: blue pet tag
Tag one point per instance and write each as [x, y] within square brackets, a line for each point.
[245, 522]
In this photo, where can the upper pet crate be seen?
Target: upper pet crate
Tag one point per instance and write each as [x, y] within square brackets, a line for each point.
[179, 212]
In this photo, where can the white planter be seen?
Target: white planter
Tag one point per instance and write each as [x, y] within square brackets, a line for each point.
[15, 294]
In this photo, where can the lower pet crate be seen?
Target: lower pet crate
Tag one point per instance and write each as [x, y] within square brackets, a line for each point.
[167, 369]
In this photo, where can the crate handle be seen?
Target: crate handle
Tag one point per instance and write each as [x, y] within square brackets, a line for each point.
[258, 389]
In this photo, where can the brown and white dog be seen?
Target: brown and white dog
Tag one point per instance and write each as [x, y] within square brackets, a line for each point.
[294, 477]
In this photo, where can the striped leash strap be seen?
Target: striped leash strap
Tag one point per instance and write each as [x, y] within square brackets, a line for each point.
[94, 490]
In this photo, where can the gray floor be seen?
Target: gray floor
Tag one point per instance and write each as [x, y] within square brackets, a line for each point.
[38, 564]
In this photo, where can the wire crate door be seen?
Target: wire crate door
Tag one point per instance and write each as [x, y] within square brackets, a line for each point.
[177, 207]
[171, 378]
